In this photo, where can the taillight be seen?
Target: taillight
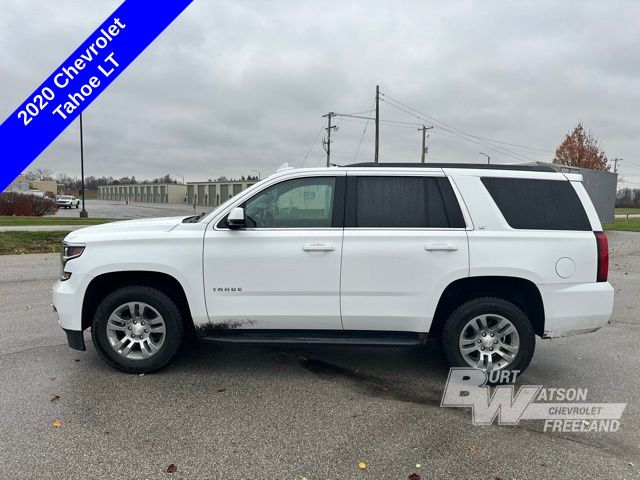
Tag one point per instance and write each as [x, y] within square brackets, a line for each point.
[603, 256]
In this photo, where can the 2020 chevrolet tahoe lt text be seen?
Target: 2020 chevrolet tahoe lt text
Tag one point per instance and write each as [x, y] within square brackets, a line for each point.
[485, 258]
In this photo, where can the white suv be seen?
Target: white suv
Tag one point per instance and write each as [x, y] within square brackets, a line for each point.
[482, 257]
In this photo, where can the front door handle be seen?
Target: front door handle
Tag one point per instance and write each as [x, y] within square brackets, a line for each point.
[318, 248]
[440, 247]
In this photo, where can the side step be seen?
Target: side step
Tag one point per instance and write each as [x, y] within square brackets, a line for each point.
[280, 337]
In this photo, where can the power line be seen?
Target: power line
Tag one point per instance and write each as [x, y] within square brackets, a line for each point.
[313, 145]
[454, 130]
[461, 134]
[362, 136]
[377, 123]
[389, 123]
[356, 113]
[470, 138]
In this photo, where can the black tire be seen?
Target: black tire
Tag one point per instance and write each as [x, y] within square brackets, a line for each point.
[154, 298]
[488, 305]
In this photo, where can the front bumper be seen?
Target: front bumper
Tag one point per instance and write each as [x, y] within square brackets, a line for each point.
[75, 338]
[576, 308]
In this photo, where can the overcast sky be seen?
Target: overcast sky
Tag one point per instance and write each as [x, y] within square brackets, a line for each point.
[232, 87]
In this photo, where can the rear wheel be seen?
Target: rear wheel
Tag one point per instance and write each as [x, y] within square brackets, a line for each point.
[137, 329]
[489, 334]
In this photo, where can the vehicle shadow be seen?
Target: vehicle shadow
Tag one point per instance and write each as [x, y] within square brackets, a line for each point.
[415, 375]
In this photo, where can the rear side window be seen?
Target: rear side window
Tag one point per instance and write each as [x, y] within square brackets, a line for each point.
[538, 204]
[402, 202]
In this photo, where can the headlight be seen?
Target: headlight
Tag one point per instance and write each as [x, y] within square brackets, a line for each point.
[69, 252]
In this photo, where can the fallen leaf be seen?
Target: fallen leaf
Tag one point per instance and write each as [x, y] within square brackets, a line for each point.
[414, 476]
[54, 397]
[52, 378]
[56, 423]
[473, 448]
[362, 465]
[172, 468]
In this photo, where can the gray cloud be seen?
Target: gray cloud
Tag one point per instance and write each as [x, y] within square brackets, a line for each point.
[236, 86]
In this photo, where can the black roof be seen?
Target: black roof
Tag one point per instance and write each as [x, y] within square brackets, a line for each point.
[481, 166]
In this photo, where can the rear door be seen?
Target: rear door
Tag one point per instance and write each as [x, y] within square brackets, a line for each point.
[404, 242]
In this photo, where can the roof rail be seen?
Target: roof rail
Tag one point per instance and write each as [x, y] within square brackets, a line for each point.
[481, 166]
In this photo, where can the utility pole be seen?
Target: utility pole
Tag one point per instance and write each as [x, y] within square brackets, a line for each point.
[424, 142]
[488, 157]
[377, 122]
[615, 164]
[83, 213]
[327, 143]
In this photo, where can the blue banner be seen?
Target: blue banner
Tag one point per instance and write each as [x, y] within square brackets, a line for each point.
[79, 80]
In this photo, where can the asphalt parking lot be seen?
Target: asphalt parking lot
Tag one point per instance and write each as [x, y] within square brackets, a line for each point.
[271, 413]
[114, 209]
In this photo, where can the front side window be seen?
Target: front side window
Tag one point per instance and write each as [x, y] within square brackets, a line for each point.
[296, 203]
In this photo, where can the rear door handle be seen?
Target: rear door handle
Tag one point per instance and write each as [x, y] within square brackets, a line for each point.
[318, 248]
[440, 247]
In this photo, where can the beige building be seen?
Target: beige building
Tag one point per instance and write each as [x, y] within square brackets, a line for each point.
[150, 193]
[44, 186]
[22, 185]
[215, 193]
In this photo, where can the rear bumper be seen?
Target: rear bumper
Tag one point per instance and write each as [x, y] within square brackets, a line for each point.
[576, 308]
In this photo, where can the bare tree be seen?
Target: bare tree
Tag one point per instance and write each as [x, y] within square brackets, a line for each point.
[39, 174]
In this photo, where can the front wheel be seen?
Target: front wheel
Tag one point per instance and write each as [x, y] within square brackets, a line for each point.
[489, 334]
[137, 329]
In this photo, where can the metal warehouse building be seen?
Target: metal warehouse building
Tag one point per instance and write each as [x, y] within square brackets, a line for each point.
[600, 185]
[151, 193]
[214, 193]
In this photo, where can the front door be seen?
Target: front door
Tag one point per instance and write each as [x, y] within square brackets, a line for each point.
[283, 270]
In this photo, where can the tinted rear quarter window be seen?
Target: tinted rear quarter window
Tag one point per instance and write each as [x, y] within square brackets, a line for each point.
[402, 202]
[538, 204]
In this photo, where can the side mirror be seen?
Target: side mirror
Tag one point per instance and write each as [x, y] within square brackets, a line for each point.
[235, 219]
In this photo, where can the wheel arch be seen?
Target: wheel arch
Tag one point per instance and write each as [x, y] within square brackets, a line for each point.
[521, 292]
[103, 284]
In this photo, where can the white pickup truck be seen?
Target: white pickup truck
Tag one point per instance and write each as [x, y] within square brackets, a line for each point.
[67, 201]
[483, 257]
